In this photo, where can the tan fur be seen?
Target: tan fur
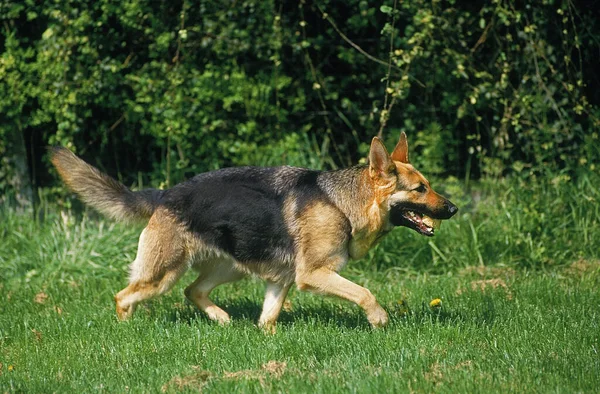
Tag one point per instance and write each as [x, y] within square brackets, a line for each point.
[413, 178]
[163, 251]
[375, 225]
[322, 253]
[99, 190]
[212, 273]
[274, 299]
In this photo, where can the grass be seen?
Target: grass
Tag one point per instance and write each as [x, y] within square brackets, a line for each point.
[527, 319]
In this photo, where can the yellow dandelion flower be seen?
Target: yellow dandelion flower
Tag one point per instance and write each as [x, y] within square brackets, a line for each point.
[435, 303]
[11, 368]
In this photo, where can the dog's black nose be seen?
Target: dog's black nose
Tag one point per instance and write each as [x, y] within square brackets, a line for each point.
[452, 209]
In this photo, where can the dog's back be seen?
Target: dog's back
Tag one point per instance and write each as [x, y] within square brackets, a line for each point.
[241, 211]
[235, 211]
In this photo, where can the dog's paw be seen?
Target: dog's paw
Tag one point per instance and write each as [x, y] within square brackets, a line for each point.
[219, 315]
[287, 306]
[267, 327]
[124, 312]
[378, 317]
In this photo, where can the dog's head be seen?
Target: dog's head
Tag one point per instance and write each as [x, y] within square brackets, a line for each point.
[403, 191]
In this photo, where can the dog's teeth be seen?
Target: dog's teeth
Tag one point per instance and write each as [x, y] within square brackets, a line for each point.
[434, 223]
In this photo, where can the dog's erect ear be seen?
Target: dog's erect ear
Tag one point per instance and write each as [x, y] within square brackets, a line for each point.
[400, 152]
[380, 162]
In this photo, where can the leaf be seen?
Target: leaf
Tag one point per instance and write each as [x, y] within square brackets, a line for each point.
[386, 9]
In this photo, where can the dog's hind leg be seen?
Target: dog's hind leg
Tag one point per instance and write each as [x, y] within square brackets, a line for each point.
[212, 275]
[274, 299]
[161, 260]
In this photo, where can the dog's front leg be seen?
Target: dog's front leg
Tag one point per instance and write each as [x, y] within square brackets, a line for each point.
[326, 281]
[322, 250]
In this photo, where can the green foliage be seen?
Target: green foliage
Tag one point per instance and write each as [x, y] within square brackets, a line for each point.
[174, 88]
[497, 76]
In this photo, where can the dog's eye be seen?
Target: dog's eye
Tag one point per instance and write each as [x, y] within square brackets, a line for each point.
[420, 189]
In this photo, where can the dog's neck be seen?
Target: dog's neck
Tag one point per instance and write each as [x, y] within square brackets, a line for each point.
[351, 191]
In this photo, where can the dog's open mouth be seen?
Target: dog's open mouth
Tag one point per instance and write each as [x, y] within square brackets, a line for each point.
[421, 223]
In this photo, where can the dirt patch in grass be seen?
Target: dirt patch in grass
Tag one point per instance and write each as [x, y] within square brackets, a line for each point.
[485, 285]
[488, 283]
[40, 298]
[434, 374]
[200, 378]
[437, 372]
[486, 272]
[274, 369]
[195, 381]
[37, 334]
[582, 267]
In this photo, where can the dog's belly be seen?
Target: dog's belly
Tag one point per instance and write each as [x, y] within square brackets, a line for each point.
[207, 260]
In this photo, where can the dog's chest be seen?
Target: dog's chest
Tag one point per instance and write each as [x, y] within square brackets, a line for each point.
[367, 234]
[361, 242]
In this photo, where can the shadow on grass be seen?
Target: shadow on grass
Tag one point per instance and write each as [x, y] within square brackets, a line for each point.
[186, 312]
[244, 309]
[340, 315]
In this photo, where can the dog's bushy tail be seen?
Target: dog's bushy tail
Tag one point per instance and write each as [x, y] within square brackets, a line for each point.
[102, 192]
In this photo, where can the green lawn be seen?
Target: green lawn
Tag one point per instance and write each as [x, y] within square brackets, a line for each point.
[503, 327]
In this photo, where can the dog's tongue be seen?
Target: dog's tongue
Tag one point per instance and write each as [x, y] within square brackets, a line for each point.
[433, 223]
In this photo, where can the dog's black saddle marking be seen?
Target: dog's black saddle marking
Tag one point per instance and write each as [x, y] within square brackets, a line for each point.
[240, 210]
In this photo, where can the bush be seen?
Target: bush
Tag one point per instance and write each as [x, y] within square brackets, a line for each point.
[174, 88]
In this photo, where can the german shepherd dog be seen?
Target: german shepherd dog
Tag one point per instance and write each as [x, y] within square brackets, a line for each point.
[283, 224]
